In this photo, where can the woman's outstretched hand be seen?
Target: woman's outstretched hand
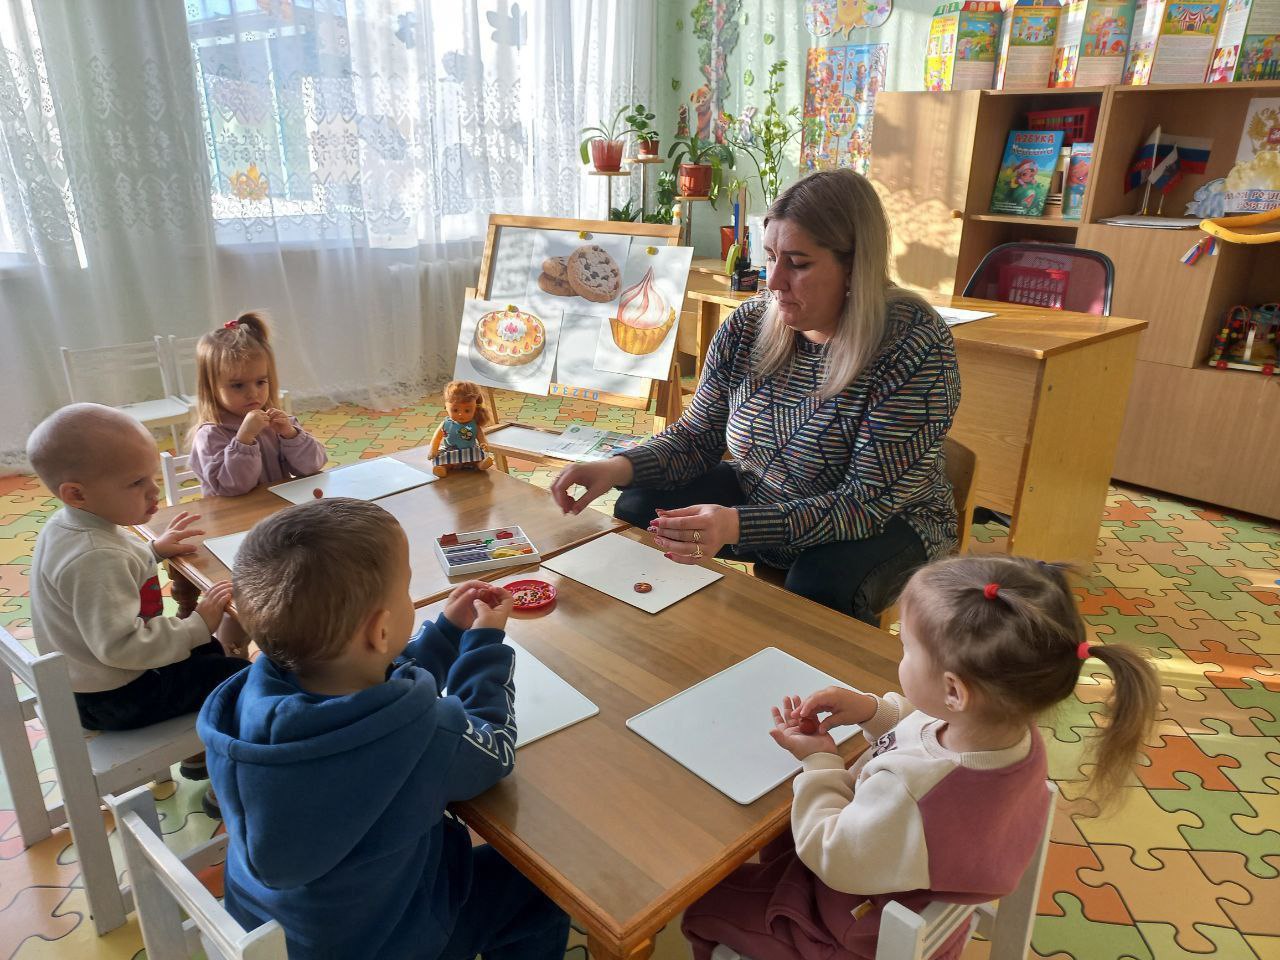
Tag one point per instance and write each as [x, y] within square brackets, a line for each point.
[596, 479]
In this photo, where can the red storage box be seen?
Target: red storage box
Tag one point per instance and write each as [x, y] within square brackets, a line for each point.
[1078, 123]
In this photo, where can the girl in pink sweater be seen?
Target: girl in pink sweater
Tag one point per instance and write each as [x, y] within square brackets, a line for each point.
[242, 438]
[949, 801]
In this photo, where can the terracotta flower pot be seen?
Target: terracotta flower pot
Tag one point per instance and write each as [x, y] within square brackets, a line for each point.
[695, 179]
[606, 154]
[648, 148]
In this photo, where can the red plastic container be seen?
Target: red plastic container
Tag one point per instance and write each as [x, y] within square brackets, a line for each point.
[1078, 123]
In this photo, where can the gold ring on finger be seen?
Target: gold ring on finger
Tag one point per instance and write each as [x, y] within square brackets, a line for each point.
[697, 551]
[697, 536]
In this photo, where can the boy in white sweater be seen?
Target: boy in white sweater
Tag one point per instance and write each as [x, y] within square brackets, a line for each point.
[95, 593]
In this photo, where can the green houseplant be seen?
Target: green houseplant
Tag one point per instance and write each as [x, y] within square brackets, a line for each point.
[640, 122]
[765, 137]
[701, 165]
[664, 199]
[603, 144]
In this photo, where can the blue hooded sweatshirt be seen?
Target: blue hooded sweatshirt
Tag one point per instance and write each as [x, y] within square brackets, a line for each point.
[335, 806]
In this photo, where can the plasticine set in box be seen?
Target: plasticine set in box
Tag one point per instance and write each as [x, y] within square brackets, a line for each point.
[1248, 42]
[964, 37]
[478, 550]
[1093, 38]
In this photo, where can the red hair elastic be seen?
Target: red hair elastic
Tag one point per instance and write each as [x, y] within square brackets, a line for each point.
[991, 590]
[231, 325]
[1082, 651]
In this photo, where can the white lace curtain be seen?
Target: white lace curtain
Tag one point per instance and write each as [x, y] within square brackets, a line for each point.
[164, 165]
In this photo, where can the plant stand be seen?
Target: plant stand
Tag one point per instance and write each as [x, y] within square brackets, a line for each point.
[686, 217]
[608, 186]
[645, 163]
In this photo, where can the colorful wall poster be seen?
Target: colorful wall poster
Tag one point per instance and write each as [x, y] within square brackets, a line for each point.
[507, 346]
[1027, 45]
[964, 40]
[1093, 38]
[1173, 41]
[839, 105]
[577, 272]
[1026, 171]
[1253, 185]
[824, 17]
[639, 337]
[1248, 45]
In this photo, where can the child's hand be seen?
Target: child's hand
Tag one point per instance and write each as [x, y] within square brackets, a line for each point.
[493, 617]
[282, 424]
[235, 642]
[845, 706]
[214, 603]
[254, 422]
[460, 609]
[788, 735]
[172, 543]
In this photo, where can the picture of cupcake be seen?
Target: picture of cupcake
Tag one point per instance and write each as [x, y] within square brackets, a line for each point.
[643, 319]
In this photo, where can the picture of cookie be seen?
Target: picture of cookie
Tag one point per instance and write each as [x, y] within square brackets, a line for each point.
[556, 267]
[556, 286]
[594, 274]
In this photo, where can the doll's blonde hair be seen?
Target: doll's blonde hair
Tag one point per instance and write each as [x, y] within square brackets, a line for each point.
[466, 390]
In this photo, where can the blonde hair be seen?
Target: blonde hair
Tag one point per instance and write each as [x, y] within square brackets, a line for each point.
[466, 390]
[244, 338]
[840, 211]
[1020, 649]
[307, 577]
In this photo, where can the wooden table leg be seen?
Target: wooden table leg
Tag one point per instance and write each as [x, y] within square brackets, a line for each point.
[600, 950]
[183, 591]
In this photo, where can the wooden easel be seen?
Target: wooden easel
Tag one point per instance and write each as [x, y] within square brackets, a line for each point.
[664, 398]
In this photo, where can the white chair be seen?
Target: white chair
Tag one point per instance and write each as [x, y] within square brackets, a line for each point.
[165, 888]
[113, 375]
[177, 474]
[179, 358]
[907, 935]
[88, 768]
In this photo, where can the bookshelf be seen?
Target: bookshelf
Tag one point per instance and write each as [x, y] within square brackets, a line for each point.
[1190, 430]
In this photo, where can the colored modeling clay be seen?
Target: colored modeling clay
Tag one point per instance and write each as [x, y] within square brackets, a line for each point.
[642, 587]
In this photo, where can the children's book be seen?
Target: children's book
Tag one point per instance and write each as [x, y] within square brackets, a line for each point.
[1077, 180]
[583, 444]
[1022, 185]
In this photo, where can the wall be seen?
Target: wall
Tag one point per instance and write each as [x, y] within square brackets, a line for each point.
[679, 75]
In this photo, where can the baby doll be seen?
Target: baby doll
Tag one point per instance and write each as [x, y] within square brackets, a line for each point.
[459, 441]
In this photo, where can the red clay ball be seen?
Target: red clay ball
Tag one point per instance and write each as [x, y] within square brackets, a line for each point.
[808, 726]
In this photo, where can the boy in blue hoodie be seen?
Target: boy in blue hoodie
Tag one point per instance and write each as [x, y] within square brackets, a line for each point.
[335, 754]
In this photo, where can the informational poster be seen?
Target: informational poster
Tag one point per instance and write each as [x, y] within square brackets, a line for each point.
[1172, 42]
[964, 39]
[1248, 46]
[1253, 185]
[1093, 38]
[839, 105]
[1027, 44]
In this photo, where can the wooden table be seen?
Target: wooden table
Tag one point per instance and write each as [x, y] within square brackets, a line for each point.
[1042, 401]
[470, 500]
[611, 828]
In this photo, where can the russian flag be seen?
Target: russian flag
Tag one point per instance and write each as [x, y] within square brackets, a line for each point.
[1193, 152]
[1143, 161]
[1166, 174]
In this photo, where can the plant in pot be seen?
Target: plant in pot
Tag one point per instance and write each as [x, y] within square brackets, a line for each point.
[603, 145]
[664, 199]
[640, 122]
[701, 164]
[765, 137]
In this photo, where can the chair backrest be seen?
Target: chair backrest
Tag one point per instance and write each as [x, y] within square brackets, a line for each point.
[164, 889]
[180, 354]
[177, 474]
[961, 465]
[1051, 275]
[115, 375]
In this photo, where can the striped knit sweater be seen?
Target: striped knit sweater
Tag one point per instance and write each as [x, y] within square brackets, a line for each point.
[820, 471]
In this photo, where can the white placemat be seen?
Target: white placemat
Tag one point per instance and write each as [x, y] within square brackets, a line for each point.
[226, 548]
[614, 564]
[366, 480]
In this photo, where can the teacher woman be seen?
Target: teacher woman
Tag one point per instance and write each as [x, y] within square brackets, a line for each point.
[832, 393]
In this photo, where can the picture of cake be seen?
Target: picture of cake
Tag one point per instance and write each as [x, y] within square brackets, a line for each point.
[643, 319]
[510, 337]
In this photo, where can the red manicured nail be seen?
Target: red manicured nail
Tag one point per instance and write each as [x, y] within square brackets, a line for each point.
[668, 556]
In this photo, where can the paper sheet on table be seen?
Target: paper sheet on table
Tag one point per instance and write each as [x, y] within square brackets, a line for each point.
[614, 564]
[719, 729]
[227, 547]
[366, 480]
[955, 316]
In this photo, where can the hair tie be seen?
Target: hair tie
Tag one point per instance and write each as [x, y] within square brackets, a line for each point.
[231, 324]
[991, 591]
[1082, 651]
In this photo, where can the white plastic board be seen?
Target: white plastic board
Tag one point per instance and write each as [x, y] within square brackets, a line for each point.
[522, 438]
[719, 728]
[226, 548]
[953, 316]
[614, 565]
[366, 480]
[545, 702]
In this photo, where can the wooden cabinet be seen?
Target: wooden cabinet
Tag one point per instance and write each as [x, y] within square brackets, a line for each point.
[1189, 430]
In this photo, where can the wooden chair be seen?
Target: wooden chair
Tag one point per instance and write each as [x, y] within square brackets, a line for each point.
[165, 888]
[1052, 275]
[88, 768]
[115, 375]
[1007, 923]
[177, 475]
